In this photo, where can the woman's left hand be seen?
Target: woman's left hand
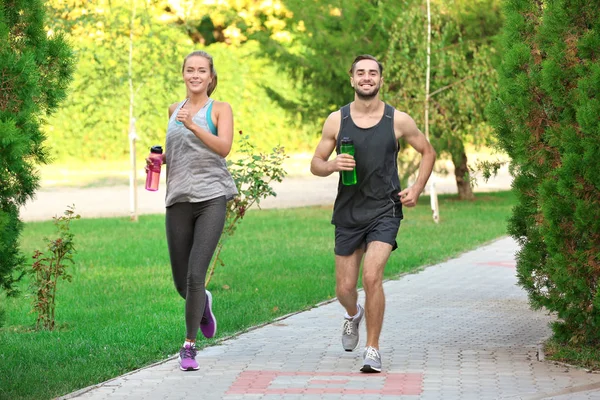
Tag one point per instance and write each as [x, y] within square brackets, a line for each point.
[185, 117]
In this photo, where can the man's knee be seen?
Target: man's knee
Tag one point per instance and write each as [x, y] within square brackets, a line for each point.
[345, 287]
[372, 280]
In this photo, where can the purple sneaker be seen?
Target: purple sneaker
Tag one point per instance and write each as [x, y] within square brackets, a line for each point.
[187, 358]
[208, 323]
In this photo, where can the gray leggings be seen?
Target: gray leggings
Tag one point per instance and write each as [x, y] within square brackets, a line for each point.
[193, 231]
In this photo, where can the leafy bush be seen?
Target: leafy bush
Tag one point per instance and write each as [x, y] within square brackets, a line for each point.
[253, 174]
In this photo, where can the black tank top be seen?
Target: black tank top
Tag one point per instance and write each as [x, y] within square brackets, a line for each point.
[376, 155]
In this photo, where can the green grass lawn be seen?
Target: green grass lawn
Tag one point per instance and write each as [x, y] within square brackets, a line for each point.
[121, 311]
[581, 355]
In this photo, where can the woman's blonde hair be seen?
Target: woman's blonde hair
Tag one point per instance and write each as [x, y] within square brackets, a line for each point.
[199, 53]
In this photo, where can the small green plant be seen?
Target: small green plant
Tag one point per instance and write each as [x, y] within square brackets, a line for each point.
[49, 267]
[253, 174]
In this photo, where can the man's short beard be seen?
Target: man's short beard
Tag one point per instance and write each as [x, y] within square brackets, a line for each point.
[369, 96]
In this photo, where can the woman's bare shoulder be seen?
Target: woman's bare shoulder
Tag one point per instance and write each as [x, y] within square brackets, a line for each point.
[221, 105]
[172, 108]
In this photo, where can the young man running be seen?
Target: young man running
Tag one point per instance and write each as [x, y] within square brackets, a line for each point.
[367, 215]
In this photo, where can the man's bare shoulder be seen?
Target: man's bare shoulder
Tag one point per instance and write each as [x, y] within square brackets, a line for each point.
[331, 126]
[404, 124]
[335, 116]
[402, 117]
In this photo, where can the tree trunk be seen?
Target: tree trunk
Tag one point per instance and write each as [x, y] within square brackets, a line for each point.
[463, 182]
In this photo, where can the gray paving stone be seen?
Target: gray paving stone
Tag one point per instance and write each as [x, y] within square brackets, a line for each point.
[461, 329]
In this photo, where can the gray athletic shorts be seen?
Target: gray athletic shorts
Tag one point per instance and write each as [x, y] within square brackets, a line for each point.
[384, 229]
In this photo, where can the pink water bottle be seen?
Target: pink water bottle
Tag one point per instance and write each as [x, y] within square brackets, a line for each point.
[153, 173]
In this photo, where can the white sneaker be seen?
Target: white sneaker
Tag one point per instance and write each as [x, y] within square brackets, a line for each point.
[350, 330]
[372, 360]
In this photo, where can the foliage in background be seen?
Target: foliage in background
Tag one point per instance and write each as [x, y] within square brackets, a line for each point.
[94, 125]
[327, 35]
[35, 70]
[253, 173]
[50, 266]
[462, 75]
[546, 119]
[95, 122]
[226, 21]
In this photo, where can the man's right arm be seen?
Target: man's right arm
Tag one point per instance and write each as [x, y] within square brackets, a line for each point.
[320, 164]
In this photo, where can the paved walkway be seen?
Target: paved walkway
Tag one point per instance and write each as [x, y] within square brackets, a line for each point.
[458, 330]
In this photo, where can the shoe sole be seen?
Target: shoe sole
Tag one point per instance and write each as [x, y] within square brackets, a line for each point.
[369, 369]
[189, 369]
[212, 316]
[349, 350]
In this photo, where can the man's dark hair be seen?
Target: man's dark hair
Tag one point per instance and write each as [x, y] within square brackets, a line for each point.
[366, 57]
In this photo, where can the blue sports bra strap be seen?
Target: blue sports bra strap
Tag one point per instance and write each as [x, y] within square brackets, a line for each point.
[209, 121]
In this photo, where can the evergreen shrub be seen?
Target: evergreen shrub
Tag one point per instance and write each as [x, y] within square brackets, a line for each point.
[35, 69]
[546, 118]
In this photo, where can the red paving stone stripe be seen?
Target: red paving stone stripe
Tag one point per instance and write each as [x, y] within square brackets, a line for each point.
[263, 382]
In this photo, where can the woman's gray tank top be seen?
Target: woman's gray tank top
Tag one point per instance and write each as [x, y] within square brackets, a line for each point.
[376, 155]
[194, 172]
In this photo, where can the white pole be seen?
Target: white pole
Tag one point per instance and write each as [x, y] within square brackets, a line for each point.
[132, 133]
[132, 172]
[432, 191]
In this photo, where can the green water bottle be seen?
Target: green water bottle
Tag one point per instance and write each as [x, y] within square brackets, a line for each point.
[347, 147]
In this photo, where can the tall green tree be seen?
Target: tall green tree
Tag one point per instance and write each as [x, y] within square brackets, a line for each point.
[546, 119]
[327, 35]
[35, 71]
[462, 75]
